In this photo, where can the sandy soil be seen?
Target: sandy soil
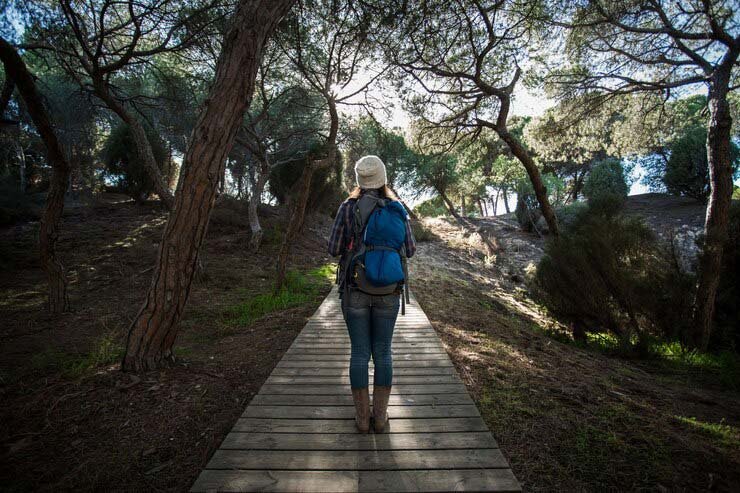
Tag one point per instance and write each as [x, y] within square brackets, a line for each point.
[570, 418]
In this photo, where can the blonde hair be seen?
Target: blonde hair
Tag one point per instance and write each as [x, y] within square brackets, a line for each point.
[385, 190]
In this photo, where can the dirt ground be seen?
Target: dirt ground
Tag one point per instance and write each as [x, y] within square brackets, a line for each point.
[569, 418]
[70, 419]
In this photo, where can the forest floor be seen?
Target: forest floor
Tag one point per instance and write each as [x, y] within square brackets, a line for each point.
[70, 419]
[572, 418]
[568, 418]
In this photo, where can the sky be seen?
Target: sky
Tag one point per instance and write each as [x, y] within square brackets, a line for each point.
[524, 103]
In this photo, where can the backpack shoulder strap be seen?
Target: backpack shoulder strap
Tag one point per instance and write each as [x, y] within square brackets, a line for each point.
[362, 209]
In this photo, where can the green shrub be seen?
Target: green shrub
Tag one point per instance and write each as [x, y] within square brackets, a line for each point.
[608, 273]
[433, 207]
[606, 184]
[125, 168]
[568, 214]
[687, 169]
[527, 212]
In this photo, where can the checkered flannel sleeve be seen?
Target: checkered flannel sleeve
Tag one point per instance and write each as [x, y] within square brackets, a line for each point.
[340, 230]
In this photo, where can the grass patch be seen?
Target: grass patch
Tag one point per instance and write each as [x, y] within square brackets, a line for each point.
[727, 436]
[300, 288]
[725, 365]
[106, 350]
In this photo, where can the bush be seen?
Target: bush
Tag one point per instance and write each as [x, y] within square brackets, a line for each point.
[125, 168]
[568, 214]
[687, 169]
[606, 184]
[608, 273]
[527, 212]
[326, 192]
[433, 207]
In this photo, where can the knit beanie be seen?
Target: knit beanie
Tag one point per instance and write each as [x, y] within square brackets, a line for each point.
[370, 172]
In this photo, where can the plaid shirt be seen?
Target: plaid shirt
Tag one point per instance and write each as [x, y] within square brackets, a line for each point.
[341, 232]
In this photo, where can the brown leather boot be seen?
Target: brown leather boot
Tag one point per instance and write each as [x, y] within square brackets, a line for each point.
[381, 394]
[361, 397]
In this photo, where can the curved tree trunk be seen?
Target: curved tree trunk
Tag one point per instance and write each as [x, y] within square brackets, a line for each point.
[51, 218]
[717, 217]
[143, 147]
[153, 332]
[535, 178]
[450, 206]
[519, 151]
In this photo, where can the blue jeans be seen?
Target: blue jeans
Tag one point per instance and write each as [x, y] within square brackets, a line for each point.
[370, 322]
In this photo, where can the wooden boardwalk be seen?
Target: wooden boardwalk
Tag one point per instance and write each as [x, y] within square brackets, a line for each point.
[298, 432]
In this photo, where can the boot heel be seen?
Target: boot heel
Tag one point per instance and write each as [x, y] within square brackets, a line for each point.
[379, 418]
[361, 398]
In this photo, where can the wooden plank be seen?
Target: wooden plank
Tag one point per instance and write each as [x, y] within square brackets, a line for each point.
[344, 380]
[299, 434]
[446, 388]
[348, 412]
[499, 480]
[346, 345]
[346, 400]
[396, 338]
[346, 351]
[298, 356]
[356, 441]
[342, 460]
[287, 363]
[344, 371]
[398, 425]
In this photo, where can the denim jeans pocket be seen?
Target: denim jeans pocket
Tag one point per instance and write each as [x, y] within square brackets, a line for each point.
[358, 299]
[392, 300]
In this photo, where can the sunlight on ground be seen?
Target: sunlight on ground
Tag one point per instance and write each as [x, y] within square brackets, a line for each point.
[727, 434]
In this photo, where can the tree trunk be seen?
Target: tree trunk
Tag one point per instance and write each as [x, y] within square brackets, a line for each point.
[535, 178]
[153, 332]
[717, 217]
[450, 206]
[304, 186]
[462, 206]
[21, 166]
[51, 218]
[141, 141]
[296, 220]
[480, 207]
[519, 151]
[506, 201]
[254, 201]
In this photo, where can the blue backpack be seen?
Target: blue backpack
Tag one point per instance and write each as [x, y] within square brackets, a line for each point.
[375, 261]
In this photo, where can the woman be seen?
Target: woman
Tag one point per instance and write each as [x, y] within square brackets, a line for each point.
[370, 318]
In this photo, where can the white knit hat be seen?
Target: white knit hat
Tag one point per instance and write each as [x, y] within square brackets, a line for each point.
[370, 172]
